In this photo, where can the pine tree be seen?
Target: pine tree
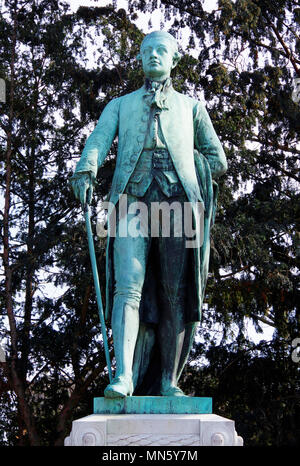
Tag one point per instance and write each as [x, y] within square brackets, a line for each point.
[245, 56]
[60, 70]
[53, 348]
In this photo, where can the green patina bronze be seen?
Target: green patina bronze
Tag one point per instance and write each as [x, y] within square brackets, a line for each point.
[153, 405]
[167, 151]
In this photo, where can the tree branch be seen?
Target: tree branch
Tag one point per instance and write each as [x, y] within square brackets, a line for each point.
[264, 320]
[73, 401]
[293, 150]
[286, 49]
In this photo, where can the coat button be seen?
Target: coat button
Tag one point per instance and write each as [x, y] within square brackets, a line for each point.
[140, 138]
[143, 129]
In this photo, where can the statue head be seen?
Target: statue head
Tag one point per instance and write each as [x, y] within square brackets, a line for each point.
[159, 55]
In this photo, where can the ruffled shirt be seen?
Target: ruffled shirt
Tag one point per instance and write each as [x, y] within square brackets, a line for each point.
[155, 96]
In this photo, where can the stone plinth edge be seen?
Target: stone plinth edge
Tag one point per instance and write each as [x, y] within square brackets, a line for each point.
[153, 430]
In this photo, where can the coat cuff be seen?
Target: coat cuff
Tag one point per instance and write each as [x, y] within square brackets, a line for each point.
[78, 175]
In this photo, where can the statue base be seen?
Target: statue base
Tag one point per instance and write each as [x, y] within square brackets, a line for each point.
[153, 405]
[144, 421]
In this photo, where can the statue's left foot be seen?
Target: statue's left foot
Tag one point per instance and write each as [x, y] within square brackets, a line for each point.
[119, 388]
[172, 391]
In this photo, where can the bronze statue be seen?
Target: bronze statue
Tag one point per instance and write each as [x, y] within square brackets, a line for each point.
[168, 152]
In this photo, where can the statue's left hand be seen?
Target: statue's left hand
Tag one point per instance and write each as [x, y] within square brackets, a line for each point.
[83, 187]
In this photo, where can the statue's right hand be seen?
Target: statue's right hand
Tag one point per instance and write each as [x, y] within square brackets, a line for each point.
[83, 187]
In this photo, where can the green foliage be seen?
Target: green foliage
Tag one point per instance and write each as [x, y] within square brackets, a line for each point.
[61, 69]
[256, 385]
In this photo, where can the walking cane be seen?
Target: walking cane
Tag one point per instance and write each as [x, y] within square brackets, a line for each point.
[87, 215]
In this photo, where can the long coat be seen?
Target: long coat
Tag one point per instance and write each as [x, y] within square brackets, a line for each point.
[197, 155]
[198, 158]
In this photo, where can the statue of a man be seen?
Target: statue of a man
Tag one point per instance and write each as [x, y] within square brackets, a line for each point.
[168, 152]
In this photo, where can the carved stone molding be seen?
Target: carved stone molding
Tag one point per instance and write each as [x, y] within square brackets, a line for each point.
[87, 432]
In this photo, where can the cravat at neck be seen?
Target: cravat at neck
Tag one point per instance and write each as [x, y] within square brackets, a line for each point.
[158, 90]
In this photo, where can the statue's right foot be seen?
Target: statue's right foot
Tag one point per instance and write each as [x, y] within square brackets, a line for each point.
[119, 388]
[172, 390]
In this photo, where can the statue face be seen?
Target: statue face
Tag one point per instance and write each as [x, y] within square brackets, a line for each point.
[158, 58]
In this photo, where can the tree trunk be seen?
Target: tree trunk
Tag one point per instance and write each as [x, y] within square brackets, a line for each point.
[29, 268]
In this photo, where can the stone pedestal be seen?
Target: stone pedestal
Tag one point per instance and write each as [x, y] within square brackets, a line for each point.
[153, 421]
[153, 430]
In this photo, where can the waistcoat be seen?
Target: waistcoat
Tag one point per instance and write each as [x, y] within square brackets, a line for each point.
[154, 162]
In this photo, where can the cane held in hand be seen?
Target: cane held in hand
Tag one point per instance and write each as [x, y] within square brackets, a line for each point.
[87, 215]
